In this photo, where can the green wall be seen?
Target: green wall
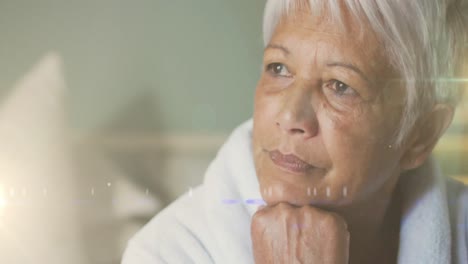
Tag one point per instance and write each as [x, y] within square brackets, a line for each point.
[163, 65]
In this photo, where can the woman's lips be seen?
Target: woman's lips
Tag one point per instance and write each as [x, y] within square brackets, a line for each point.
[290, 163]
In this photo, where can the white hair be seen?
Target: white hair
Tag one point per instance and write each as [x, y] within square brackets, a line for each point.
[424, 41]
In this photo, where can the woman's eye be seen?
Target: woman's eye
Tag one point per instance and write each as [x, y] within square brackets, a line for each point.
[341, 88]
[278, 69]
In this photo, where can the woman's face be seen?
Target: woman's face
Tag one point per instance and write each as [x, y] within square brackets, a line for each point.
[324, 96]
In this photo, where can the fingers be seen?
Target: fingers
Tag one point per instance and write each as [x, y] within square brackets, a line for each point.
[305, 233]
[305, 215]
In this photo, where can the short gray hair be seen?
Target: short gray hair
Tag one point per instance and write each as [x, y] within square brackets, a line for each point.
[425, 40]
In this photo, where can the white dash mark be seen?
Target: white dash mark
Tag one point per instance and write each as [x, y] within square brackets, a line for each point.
[109, 184]
[328, 191]
[345, 191]
[190, 192]
[92, 191]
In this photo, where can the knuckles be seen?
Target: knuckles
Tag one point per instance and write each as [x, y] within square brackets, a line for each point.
[309, 219]
[260, 220]
[298, 232]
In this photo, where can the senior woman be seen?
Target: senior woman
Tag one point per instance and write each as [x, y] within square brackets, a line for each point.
[353, 97]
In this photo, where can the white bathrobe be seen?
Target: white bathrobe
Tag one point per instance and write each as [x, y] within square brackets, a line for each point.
[212, 223]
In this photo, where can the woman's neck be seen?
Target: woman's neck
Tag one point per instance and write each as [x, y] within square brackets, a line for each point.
[374, 227]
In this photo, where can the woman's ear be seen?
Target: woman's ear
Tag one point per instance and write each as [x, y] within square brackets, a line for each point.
[425, 135]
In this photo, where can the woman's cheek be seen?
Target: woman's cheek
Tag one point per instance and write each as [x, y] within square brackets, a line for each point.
[332, 126]
[343, 140]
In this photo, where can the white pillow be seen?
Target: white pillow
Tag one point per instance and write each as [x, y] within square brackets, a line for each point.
[38, 216]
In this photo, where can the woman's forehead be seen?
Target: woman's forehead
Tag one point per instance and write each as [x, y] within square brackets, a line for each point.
[346, 24]
[304, 32]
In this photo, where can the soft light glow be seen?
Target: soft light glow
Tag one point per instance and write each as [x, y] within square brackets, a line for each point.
[3, 201]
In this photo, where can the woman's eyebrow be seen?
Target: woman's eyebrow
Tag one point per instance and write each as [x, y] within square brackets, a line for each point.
[349, 66]
[346, 65]
[278, 46]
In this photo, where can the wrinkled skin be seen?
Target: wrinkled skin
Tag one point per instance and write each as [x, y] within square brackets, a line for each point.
[344, 132]
[326, 96]
[294, 238]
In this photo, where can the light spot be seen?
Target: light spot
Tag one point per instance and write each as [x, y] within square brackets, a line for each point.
[345, 191]
[315, 191]
[190, 192]
[296, 226]
[3, 204]
[328, 191]
[92, 191]
[230, 201]
[3, 201]
[308, 191]
[109, 184]
[255, 201]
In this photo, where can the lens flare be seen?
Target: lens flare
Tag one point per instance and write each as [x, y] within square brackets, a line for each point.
[3, 201]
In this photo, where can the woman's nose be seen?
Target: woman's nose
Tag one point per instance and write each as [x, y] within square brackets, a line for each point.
[297, 116]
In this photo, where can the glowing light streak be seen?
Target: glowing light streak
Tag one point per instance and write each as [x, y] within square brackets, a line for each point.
[3, 201]
[255, 201]
[452, 80]
[230, 201]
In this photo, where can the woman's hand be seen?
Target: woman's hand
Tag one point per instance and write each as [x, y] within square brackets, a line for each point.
[288, 234]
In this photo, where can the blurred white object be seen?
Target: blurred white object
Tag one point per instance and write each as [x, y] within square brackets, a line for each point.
[38, 222]
[130, 201]
[114, 206]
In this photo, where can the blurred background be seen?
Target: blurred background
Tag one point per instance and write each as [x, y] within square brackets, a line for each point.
[110, 110]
